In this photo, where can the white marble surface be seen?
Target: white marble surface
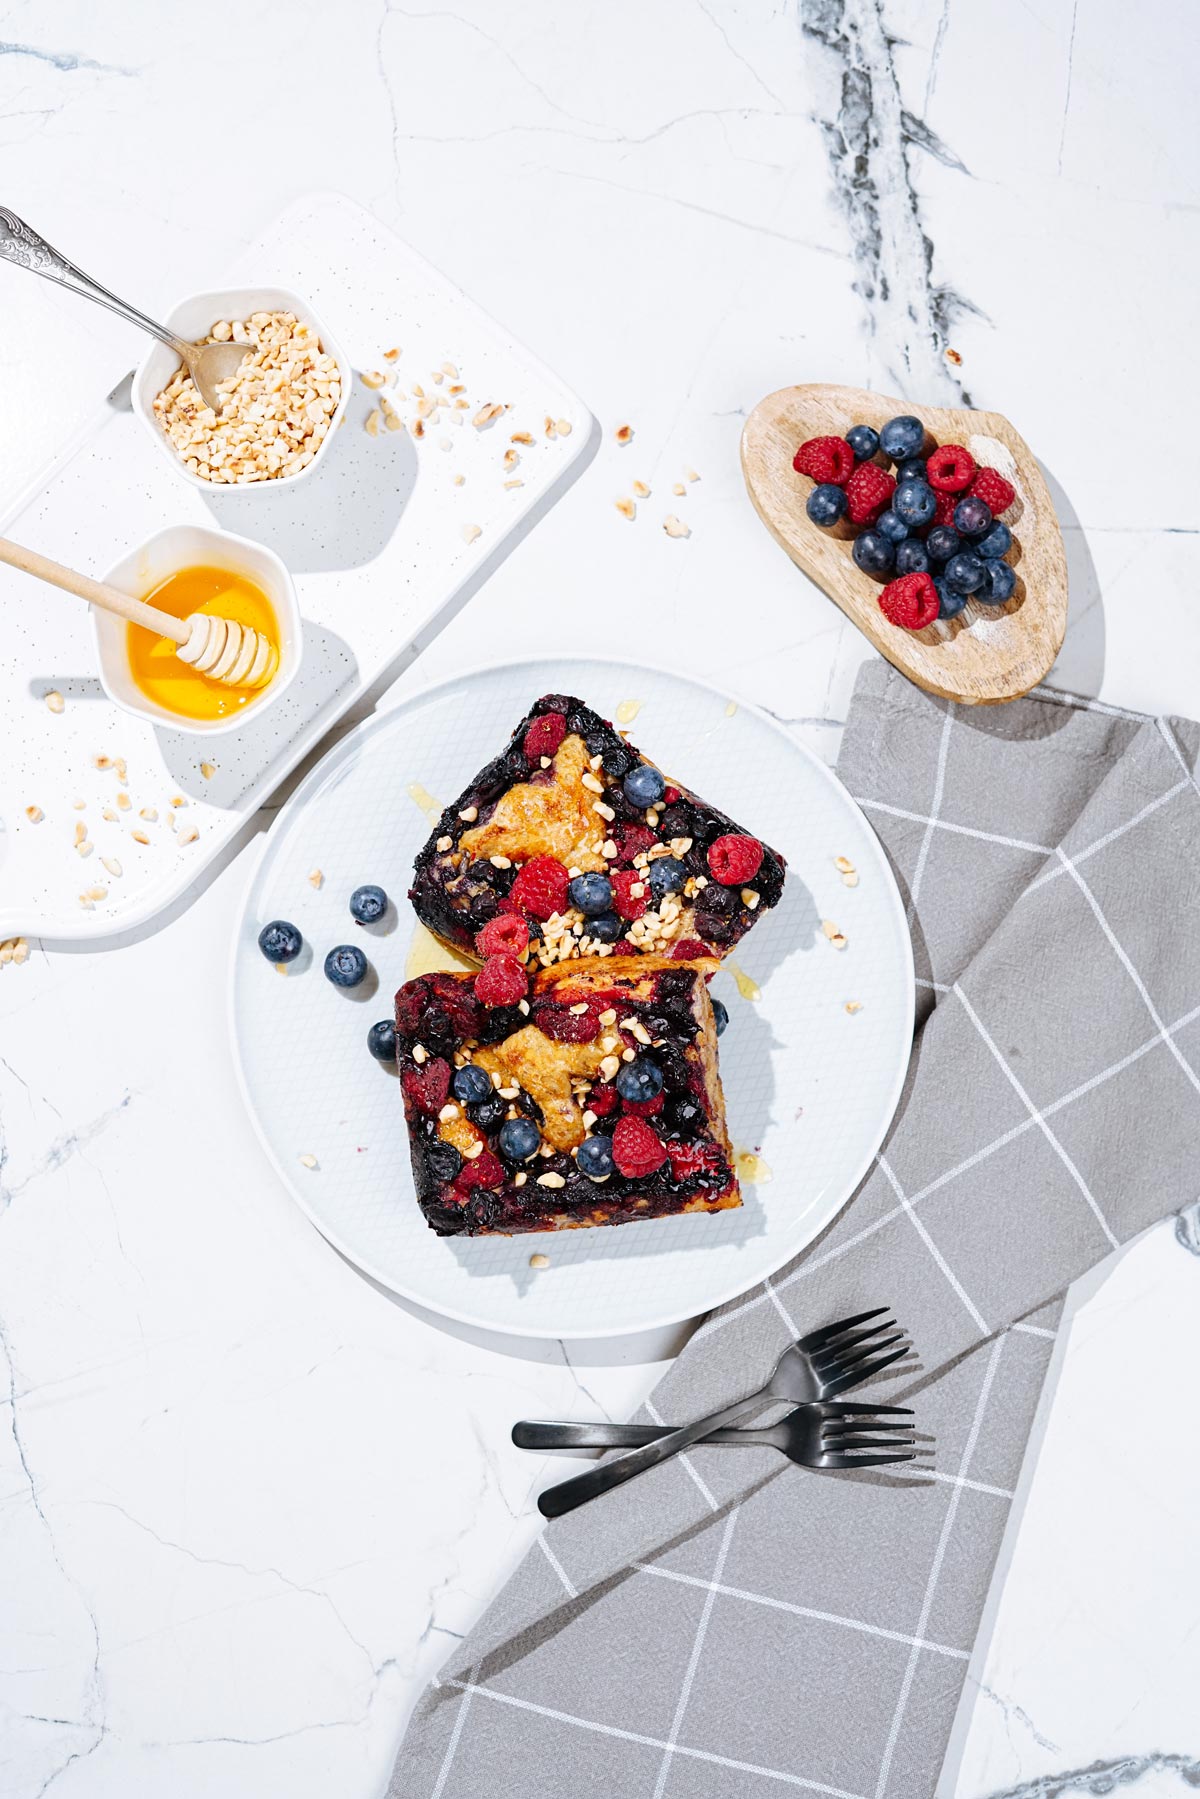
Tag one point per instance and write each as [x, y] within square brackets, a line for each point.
[245, 1499]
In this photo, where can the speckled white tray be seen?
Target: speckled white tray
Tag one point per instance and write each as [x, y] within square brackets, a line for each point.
[375, 543]
[808, 1085]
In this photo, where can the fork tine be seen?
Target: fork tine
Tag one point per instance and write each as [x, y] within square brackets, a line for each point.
[849, 1408]
[862, 1461]
[838, 1350]
[855, 1375]
[855, 1358]
[839, 1445]
[815, 1339]
[836, 1434]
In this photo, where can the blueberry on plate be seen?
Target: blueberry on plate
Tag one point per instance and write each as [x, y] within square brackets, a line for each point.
[863, 441]
[950, 604]
[345, 966]
[667, 875]
[892, 526]
[720, 1016]
[973, 516]
[902, 438]
[381, 1040]
[964, 573]
[639, 1080]
[999, 580]
[997, 543]
[592, 894]
[280, 941]
[595, 1157]
[519, 1139]
[915, 501]
[644, 786]
[470, 1084]
[826, 503]
[942, 543]
[873, 553]
[368, 905]
[606, 929]
[912, 558]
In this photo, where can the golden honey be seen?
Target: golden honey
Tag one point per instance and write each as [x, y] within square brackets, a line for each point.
[153, 663]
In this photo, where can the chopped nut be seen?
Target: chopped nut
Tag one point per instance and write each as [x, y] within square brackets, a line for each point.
[208, 770]
[511, 458]
[579, 1010]
[508, 485]
[675, 527]
[55, 701]
[624, 434]
[6, 950]
[476, 1148]
[460, 480]
[122, 769]
[679, 489]
[606, 812]
[96, 893]
[523, 1006]
[843, 865]
[309, 1162]
[521, 437]
[540, 1261]
[189, 836]
[500, 861]
[316, 879]
[471, 532]
[372, 422]
[372, 378]
[551, 1180]
[469, 814]
[520, 1179]
[123, 802]
[836, 937]
[448, 1111]
[591, 783]
[149, 813]
[112, 865]
[177, 800]
[609, 1067]
[80, 833]
[608, 1016]
[564, 427]
[853, 1005]
[110, 814]
[443, 844]
[486, 414]
[850, 880]
[750, 898]
[34, 814]
[627, 508]
[20, 951]
[79, 805]
[689, 474]
[139, 836]
[390, 355]
[641, 490]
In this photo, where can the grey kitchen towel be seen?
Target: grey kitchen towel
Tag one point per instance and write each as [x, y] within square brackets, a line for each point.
[728, 1625]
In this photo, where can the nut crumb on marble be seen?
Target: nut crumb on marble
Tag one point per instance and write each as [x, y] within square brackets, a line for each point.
[675, 527]
[372, 422]
[624, 434]
[188, 836]
[853, 1006]
[471, 532]
[689, 474]
[641, 490]
[54, 701]
[34, 814]
[309, 1162]
[208, 770]
[627, 508]
[112, 865]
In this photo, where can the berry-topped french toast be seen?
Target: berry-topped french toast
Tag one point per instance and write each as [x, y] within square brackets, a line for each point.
[585, 1095]
[572, 832]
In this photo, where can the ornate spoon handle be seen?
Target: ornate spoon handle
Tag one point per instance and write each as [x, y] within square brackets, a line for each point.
[22, 245]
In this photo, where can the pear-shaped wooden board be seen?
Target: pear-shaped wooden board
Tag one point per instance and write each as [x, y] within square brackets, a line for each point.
[988, 653]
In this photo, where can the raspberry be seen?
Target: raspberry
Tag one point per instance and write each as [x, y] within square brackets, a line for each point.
[566, 1026]
[688, 948]
[501, 981]
[541, 887]
[950, 469]
[734, 860]
[633, 840]
[695, 1158]
[434, 1005]
[427, 1087]
[825, 459]
[544, 735]
[946, 502]
[636, 1149]
[868, 491]
[993, 490]
[504, 936]
[626, 904]
[602, 1100]
[483, 1170]
[911, 602]
[643, 1108]
[671, 796]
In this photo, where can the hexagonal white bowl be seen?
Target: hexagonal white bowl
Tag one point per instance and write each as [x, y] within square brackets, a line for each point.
[183, 546]
[193, 319]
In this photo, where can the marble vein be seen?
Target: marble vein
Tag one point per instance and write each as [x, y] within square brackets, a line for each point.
[1101, 1777]
[65, 60]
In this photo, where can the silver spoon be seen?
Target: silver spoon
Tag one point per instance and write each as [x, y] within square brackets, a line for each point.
[207, 364]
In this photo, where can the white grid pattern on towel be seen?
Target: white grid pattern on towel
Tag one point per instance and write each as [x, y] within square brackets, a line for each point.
[976, 1315]
[685, 1691]
[938, 789]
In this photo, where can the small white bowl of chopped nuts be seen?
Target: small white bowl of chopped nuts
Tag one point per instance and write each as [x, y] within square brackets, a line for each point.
[284, 403]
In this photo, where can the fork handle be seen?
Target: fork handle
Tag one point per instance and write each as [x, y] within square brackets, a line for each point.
[28, 249]
[575, 1492]
[535, 1434]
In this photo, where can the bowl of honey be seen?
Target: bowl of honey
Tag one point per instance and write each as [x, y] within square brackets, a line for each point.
[187, 569]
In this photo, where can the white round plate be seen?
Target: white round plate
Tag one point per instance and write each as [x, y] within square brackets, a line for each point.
[810, 1087]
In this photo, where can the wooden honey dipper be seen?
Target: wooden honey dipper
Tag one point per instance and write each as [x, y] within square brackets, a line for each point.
[218, 648]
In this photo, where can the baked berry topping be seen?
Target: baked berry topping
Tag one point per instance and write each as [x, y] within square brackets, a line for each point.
[592, 894]
[506, 936]
[605, 929]
[602, 1101]
[868, 491]
[565, 1026]
[428, 1085]
[950, 469]
[720, 1016]
[442, 1160]
[544, 736]
[666, 875]
[636, 1149]
[644, 1108]
[280, 941]
[541, 887]
[734, 860]
[644, 786]
[595, 1158]
[993, 490]
[688, 948]
[470, 1084]
[639, 1080]
[688, 1159]
[910, 602]
[824, 459]
[630, 905]
[633, 839]
[501, 981]
[519, 1139]
[484, 1170]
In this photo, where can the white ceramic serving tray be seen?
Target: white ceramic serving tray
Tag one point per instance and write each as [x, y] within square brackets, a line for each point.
[376, 542]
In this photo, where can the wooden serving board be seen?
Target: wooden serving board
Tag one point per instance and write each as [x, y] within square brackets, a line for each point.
[987, 654]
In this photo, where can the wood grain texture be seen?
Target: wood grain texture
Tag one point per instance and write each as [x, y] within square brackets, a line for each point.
[986, 655]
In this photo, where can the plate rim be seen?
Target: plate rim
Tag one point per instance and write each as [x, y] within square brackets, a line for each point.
[296, 801]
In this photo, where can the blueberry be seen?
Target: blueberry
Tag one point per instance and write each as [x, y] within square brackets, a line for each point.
[892, 526]
[950, 604]
[639, 1080]
[368, 904]
[863, 441]
[964, 573]
[595, 1157]
[873, 553]
[644, 786]
[442, 1160]
[666, 875]
[519, 1139]
[488, 1113]
[720, 1016]
[280, 941]
[826, 504]
[997, 543]
[606, 929]
[942, 543]
[381, 1040]
[973, 517]
[345, 966]
[913, 470]
[470, 1084]
[915, 501]
[912, 558]
[902, 438]
[999, 580]
[592, 894]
